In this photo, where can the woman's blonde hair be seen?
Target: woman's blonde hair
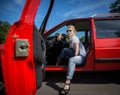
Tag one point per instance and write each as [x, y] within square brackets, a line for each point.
[73, 27]
[74, 30]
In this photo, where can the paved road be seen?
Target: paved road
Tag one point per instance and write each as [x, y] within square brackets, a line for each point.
[84, 83]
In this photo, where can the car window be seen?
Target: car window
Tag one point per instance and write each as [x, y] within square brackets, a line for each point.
[107, 28]
[61, 30]
[83, 35]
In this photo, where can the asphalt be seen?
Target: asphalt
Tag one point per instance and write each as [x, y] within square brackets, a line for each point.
[83, 83]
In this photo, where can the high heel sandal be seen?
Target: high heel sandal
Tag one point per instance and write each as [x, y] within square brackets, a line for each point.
[65, 91]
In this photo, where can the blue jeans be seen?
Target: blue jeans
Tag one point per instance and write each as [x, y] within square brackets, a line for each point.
[72, 64]
[66, 52]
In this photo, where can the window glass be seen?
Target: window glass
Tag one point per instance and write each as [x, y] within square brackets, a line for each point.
[81, 35]
[107, 28]
[61, 30]
[41, 12]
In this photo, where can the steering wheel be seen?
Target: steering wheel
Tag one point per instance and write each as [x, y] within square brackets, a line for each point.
[50, 42]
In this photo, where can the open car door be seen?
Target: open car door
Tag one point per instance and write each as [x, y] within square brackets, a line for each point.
[24, 52]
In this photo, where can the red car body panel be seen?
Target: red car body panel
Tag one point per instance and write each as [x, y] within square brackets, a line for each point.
[107, 49]
[19, 73]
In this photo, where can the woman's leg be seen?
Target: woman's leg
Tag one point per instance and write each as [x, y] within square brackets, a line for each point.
[72, 64]
[71, 69]
[65, 52]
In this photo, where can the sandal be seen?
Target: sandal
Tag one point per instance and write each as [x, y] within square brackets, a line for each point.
[65, 91]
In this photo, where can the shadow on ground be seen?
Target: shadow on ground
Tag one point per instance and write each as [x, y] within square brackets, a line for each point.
[85, 77]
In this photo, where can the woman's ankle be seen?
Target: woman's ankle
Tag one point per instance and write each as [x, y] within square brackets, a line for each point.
[68, 81]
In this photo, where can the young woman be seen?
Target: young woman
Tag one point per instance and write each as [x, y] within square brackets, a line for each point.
[76, 53]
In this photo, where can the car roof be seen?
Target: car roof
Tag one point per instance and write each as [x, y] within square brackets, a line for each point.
[100, 16]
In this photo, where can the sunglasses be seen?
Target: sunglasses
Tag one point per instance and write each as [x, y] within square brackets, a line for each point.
[69, 30]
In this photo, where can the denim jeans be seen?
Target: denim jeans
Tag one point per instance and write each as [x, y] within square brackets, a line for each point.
[72, 64]
[66, 52]
[73, 60]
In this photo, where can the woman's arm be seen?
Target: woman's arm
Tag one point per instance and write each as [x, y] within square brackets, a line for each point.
[76, 49]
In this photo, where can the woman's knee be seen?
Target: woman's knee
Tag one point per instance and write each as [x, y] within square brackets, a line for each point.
[65, 49]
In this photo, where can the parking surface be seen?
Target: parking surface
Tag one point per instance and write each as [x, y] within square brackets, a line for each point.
[83, 83]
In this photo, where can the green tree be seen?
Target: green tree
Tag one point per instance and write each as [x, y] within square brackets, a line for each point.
[82, 39]
[115, 7]
[4, 27]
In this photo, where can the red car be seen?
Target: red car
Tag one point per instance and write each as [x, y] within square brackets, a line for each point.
[26, 52]
[99, 34]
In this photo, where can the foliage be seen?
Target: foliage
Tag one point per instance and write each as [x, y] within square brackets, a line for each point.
[4, 27]
[82, 39]
[115, 7]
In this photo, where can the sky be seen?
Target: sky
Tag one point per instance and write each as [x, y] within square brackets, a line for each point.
[10, 10]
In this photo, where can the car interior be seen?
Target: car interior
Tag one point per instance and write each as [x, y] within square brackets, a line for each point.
[54, 47]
